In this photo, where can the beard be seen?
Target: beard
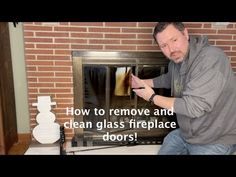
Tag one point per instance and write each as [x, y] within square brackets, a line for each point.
[179, 60]
[177, 56]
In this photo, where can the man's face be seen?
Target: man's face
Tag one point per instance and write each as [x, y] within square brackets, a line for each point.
[173, 43]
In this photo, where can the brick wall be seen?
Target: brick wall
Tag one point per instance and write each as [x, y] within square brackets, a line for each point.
[48, 49]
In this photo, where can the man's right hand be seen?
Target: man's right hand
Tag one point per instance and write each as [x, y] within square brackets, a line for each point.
[136, 82]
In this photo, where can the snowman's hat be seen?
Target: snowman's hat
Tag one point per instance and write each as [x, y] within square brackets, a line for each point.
[42, 100]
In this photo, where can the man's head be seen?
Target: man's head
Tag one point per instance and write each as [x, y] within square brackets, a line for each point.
[172, 37]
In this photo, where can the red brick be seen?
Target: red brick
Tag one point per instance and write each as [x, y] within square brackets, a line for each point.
[31, 68]
[225, 42]
[86, 23]
[145, 36]
[147, 24]
[30, 57]
[52, 34]
[32, 79]
[36, 40]
[29, 46]
[227, 31]
[53, 46]
[86, 47]
[39, 63]
[217, 36]
[37, 51]
[61, 74]
[121, 24]
[234, 48]
[231, 53]
[233, 59]
[38, 28]
[52, 57]
[115, 47]
[42, 68]
[64, 85]
[32, 90]
[87, 35]
[62, 117]
[63, 52]
[41, 85]
[136, 41]
[102, 30]
[69, 80]
[103, 41]
[63, 63]
[54, 90]
[40, 74]
[207, 25]
[32, 95]
[64, 105]
[62, 40]
[136, 30]
[152, 48]
[61, 95]
[202, 31]
[28, 33]
[120, 36]
[230, 25]
[193, 25]
[67, 29]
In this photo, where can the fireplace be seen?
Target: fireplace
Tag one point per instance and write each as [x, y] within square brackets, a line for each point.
[102, 83]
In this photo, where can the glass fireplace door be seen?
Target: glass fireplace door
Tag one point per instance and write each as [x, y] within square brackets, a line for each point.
[102, 82]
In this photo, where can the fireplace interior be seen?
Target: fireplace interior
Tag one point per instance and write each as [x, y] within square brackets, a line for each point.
[102, 82]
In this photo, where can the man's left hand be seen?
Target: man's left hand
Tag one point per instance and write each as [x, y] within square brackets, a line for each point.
[144, 93]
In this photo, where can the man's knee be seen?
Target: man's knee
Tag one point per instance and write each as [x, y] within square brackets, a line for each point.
[215, 149]
[173, 144]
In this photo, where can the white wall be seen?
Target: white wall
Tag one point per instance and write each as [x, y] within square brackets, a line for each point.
[19, 74]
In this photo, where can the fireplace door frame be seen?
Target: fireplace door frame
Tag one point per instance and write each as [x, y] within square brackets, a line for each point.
[107, 58]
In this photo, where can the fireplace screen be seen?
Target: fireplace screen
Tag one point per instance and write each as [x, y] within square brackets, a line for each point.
[102, 86]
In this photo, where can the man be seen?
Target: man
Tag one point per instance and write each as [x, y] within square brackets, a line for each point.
[203, 86]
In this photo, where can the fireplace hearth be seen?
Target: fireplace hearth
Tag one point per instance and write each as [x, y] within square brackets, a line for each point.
[102, 85]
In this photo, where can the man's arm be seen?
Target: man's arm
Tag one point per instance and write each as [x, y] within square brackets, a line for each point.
[164, 102]
[147, 92]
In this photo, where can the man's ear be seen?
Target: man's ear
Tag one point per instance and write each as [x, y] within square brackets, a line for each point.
[185, 32]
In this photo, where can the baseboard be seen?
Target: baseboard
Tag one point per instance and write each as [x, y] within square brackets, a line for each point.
[24, 137]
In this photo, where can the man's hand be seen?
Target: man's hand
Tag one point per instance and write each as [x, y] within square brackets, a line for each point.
[136, 82]
[145, 92]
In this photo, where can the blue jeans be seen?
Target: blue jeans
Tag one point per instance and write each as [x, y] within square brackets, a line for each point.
[174, 144]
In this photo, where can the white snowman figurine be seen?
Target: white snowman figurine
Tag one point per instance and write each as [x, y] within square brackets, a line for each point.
[47, 131]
